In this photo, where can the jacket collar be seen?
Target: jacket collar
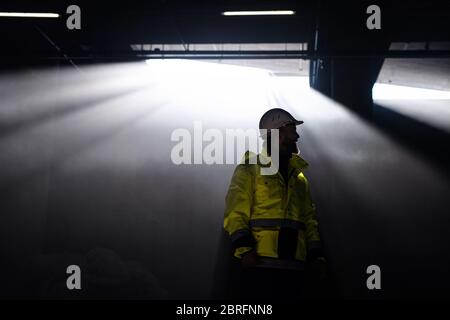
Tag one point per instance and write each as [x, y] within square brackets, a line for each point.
[264, 160]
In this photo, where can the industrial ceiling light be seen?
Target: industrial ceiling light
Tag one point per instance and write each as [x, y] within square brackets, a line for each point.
[259, 13]
[28, 15]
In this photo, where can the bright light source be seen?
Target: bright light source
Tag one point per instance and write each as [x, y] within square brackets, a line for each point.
[388, 91]
[28, 15]
[228, 96]
[259, 13]
[199, 70]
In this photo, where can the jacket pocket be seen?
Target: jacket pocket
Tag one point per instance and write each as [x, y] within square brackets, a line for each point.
[266, 242]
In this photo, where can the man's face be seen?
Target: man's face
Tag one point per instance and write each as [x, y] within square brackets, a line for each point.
[288, 139]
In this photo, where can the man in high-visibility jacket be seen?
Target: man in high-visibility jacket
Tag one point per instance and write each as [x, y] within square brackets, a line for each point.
[271, 217]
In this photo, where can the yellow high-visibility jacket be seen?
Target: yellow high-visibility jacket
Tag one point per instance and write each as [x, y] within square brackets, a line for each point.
[257, 206]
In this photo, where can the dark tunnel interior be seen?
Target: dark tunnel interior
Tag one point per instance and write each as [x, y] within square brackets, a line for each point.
[89, 121]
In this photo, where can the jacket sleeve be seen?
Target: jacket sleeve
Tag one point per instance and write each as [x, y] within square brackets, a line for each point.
[238, 206]
[313, 242]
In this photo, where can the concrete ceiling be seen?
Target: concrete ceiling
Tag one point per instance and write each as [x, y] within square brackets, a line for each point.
[109, 28]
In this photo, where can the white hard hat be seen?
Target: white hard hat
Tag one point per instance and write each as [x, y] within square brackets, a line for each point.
[277, 118]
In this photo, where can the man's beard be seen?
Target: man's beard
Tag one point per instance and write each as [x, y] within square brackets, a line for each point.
[289, 150]
[294, 148]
